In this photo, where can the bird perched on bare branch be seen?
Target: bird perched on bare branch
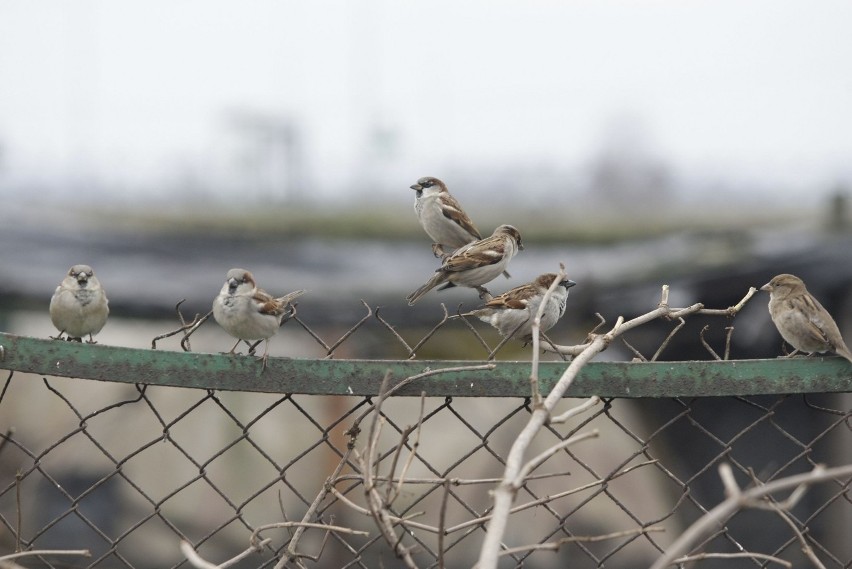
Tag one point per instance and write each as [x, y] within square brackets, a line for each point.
[475, 264]
[512, 313]
[802, 321]
[79, 306]
[249, 313]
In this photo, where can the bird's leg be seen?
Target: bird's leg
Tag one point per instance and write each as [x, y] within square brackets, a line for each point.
[58, 336]
[265, 357]
[252, 347]
[235, 347]
[438, 250]
[483, 293]
[792, 354]
[91, 340]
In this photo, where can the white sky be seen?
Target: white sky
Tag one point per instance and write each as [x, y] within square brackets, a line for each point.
[133, 93]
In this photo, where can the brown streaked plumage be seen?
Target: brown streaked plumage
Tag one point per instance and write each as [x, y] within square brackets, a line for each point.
[475, 264]
[800, 318]
[513, 312]
[443, 218]
[249, 313]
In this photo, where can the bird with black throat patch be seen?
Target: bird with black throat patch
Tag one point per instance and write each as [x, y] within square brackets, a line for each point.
[249, 313]
[800, 318]
[475, 264]
[79, 306]
[442, 217]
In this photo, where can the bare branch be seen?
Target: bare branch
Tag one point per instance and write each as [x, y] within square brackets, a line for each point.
[477, 521]
[337, 529]
[675, 330]
[414, 447]
[539, 459]
[721, 513]
[19, 554]
[706, 344]
[200, 563]
[506, 491]
[746, 555]
[555, 545]
[536, 335]
[806, 548]
[573, 412]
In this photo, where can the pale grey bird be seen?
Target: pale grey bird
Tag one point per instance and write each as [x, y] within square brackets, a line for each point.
[79, 306]
[513, 312]
[442, 217]
[249, 313]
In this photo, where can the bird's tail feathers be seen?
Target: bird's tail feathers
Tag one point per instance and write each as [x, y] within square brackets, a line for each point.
[430, 284]
[291, 296]
[844, 352]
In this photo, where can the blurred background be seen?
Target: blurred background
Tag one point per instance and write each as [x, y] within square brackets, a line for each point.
[705, 145]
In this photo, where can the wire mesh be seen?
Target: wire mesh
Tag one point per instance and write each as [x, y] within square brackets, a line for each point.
[129, 471]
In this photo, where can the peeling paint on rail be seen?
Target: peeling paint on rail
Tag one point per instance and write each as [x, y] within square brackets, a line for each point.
[363, 377]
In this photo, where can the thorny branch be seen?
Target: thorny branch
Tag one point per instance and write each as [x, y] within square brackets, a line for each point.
[505, 493]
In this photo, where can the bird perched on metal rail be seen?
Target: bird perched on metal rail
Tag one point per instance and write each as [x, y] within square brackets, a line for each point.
[249, 313]
[475, 264]
[442, 217]
[512, 313]
[802, 321]
[79, 306]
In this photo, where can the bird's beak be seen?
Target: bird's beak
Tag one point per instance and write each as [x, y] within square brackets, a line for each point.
[232, 285]
[569, 283]
[416, 187]
[82, 279]
[766, 288]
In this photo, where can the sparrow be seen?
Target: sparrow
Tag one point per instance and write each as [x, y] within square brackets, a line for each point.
[79, 306]
[442, 217]
[249, 313]
[474, 264]
[801, 319]
[512, 313]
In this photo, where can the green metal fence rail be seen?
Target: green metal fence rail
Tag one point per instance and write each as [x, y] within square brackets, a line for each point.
[364, 377]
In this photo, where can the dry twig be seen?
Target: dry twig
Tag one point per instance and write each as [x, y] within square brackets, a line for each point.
[738, 500]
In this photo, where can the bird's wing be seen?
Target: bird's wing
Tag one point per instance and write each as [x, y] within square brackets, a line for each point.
[266, 304]
[517, 298]
[452, 210]
[816, 318]
[482, 253]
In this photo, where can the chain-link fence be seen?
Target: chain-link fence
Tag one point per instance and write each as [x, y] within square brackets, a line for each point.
[128, 470]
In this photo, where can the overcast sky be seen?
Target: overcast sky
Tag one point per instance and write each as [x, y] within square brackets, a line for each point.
[136, 93]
